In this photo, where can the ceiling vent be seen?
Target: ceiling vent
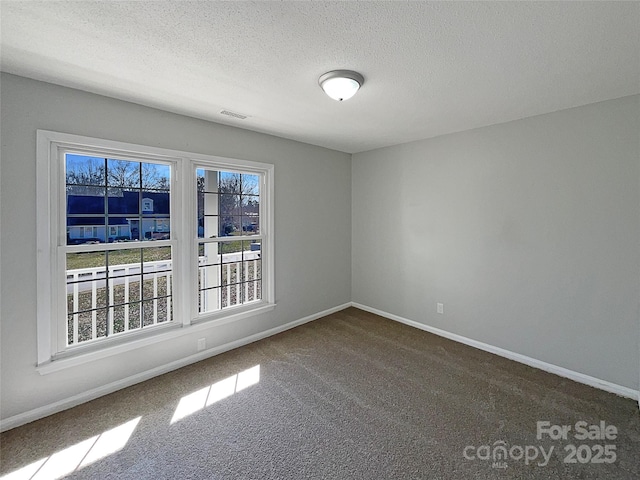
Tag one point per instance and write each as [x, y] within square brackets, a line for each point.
[233, 114]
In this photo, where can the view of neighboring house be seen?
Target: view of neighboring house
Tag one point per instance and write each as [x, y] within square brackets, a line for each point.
[130, 215]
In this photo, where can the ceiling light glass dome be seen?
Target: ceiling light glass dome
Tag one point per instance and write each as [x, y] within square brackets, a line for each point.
[341, 84]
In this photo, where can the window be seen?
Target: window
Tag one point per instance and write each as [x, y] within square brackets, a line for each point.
[112, 290]
[229, 239]
[138, 243]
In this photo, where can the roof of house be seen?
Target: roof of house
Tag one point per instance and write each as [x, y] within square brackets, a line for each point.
[119, 207]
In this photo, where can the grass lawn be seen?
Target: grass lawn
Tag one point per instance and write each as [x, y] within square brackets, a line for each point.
[117, 257]
[136, 255]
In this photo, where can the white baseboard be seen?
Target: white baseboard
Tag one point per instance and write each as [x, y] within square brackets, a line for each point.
[532, 362]
[46, 410]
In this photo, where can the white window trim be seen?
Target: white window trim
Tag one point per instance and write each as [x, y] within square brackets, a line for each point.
[50, 215]
[266, 208]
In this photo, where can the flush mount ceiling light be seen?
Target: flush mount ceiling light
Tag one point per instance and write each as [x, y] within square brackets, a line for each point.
[341, 84]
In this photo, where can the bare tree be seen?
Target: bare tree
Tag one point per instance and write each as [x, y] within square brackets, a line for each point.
[237, 191]
[152, 177]
[84, 176]
[122, 174]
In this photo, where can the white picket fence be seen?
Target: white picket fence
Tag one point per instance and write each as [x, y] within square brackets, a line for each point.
[90, 284]
[227, 292]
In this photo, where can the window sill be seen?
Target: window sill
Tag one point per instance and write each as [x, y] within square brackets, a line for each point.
[232, 314]
[80, 358]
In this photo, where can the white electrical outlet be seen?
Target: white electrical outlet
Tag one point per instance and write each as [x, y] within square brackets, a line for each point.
[440, 308]
[202, 344]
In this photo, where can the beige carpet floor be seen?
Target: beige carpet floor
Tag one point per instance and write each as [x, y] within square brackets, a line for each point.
[349, 396]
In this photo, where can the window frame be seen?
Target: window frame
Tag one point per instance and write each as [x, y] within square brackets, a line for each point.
[265, 209]
[51, 235]
[62, 249]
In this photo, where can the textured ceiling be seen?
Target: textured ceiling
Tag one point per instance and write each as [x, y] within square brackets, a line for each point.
[430, 67]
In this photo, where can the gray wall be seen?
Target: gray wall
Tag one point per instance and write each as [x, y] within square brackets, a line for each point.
[312, 216]
[528, 232]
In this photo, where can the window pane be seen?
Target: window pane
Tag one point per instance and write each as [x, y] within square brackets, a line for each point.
[149, 316]
[85, 260]
[85, 200]
[250, 184]
[252, 269]
[232, 251]
[87, 325]
[229, 204]
[134, 228]
[84, 170]
[156, 285]
[123, 201]
[229, 182]
[127, 289]
[157, 254]
[231, 273]
[209, 259]
[251, 246]
[250, 205]
[81, 296]
[209, 227]
[105, 290]
[124, 262]
[207, 180]
[210, 203]
[250, 225]
[119, 229]
[209, 253]
[91, 324]
[229, 226]
[134, 315]
[253, 291]
[119, 316]
[230, 296]
[209, 300]
[155, 202]
[155, 176]
[123, 173]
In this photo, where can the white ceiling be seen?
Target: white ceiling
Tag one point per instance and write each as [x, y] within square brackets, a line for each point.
[430, 67]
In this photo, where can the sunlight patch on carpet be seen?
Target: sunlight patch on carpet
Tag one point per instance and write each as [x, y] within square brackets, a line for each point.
[211, 394]
[76, 456]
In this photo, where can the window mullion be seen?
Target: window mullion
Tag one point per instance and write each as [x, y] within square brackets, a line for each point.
[183, 205]
[59, 327]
